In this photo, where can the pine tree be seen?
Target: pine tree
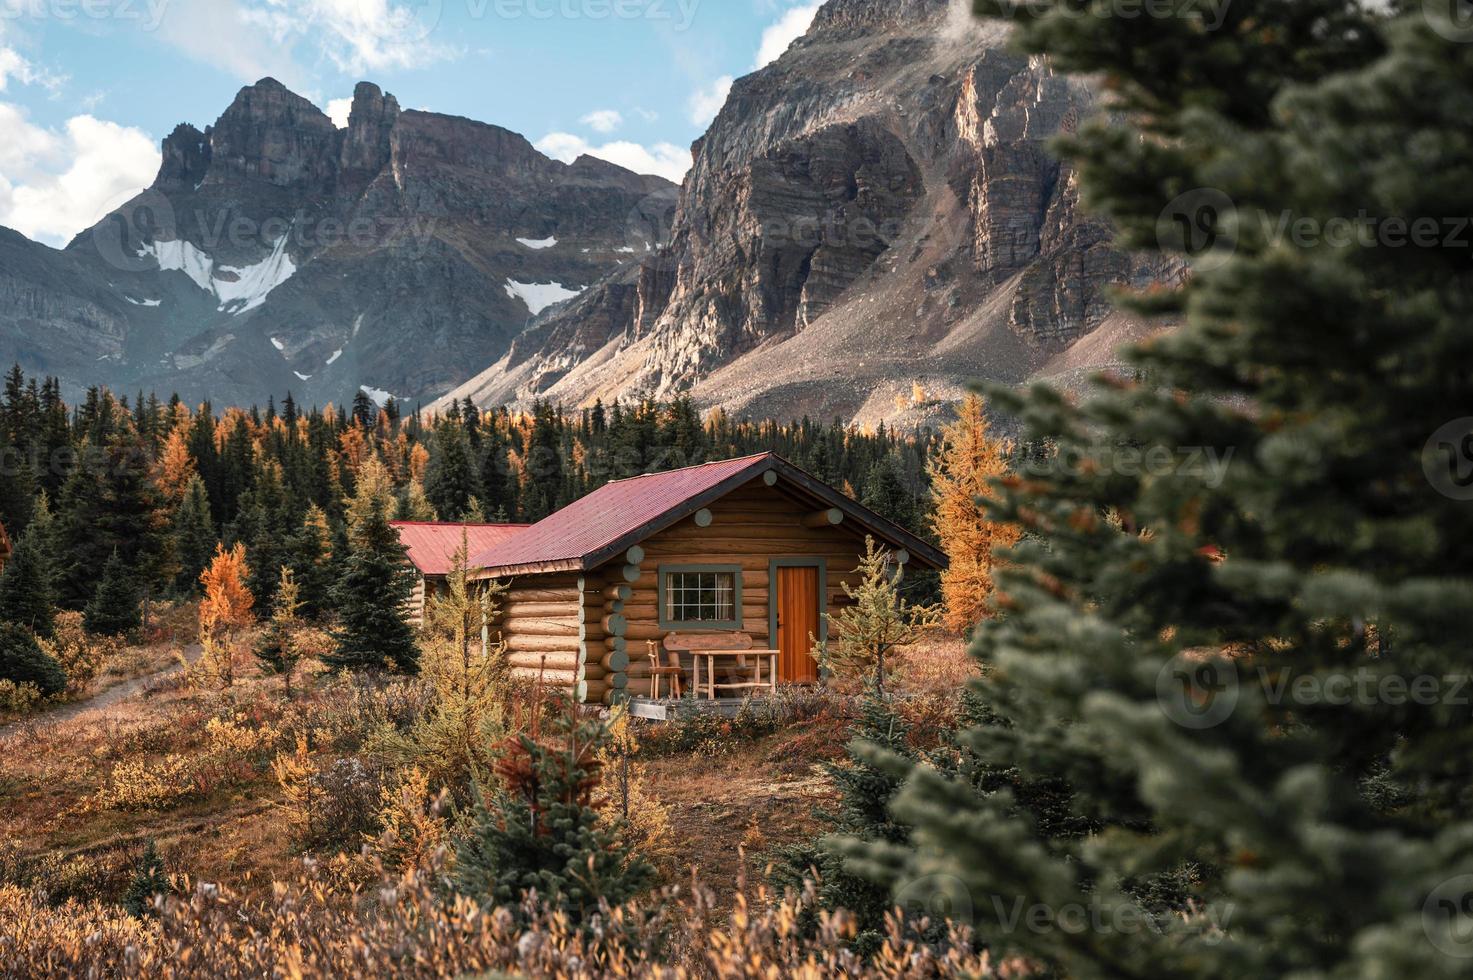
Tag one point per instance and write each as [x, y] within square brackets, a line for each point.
[149, 879]
[1178, 637]
[309, 556]
[450, 481]
[541, 832]
[115, 607]
[22, 661]
[27, 585]
[371, 596]
[863, 636]
[962, 476]
[194, 536]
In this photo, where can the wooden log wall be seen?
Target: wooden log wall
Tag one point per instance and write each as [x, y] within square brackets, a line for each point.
[747, 528]
[541, 624]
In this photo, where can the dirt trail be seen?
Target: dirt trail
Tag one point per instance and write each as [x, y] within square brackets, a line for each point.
[103, 700]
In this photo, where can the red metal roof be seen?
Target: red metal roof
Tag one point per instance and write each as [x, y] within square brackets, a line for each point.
[432, 546]
[604, 517]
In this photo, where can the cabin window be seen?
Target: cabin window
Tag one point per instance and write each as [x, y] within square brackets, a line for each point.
[703, 596]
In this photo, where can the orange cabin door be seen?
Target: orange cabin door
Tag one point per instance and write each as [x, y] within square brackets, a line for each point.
[797, 624]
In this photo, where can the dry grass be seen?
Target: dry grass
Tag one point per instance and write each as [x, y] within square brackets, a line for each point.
[73, 822]
[319, 926]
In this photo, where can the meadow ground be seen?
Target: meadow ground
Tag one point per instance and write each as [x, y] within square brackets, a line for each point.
[85, 787]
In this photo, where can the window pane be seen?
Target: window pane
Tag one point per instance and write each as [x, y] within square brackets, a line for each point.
[700, 597]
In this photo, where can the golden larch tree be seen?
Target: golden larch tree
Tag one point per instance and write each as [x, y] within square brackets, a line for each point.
[961, 485]
[225, 610]
[175, 466]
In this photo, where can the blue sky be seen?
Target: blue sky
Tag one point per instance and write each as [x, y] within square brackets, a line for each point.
[89, 87]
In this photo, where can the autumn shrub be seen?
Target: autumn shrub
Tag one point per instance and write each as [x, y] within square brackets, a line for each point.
[59, 878]
[235, 749]
[18, 699]
[316, 926]
[82, 656]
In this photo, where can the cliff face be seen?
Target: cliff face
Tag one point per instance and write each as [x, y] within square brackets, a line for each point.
[877, 208]
[277, 252]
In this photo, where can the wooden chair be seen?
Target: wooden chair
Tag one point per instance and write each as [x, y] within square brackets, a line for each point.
[671, 669]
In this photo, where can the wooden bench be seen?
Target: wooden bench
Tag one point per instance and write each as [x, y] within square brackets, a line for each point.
[711, 646]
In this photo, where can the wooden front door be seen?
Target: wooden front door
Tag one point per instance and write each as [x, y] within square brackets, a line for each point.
[797, 623]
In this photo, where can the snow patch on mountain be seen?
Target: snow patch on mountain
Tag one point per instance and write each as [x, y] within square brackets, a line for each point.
[537, 244]
[182, 256]
[539, 295]
[379, 396]
[278, 344]
[251, 284]
[238, 288]
[335, 355]
[143, 302]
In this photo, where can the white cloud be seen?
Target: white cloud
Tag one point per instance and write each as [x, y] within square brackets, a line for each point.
[356, 35]
[777, 37]
[707, 102]
[338, 110]
[665, 159]
[793, 24]
[197, 28]
[54, 184]
[603, 120]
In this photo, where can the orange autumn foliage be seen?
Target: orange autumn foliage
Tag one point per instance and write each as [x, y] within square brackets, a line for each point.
[227, 603]
[175, 466]
[961, 480]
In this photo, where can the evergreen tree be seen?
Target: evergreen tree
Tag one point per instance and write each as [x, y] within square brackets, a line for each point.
[26, 584]
[149, 879]
[864, 634]
[309, 557]
[114, 609]
[451, 480]
[194, 536]
[1178, 637]
[22, 661]
[371, 596]
[541, 832]
[886, 493]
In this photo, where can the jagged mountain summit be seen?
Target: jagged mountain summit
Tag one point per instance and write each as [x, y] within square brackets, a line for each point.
[872, 223]
[277, 252]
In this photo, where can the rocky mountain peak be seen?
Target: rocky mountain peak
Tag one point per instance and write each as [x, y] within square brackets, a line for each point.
[186, 158]
[370, 126]
[271, 133]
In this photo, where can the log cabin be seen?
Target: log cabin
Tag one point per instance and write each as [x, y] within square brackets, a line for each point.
[746, 554]
[431, 546]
